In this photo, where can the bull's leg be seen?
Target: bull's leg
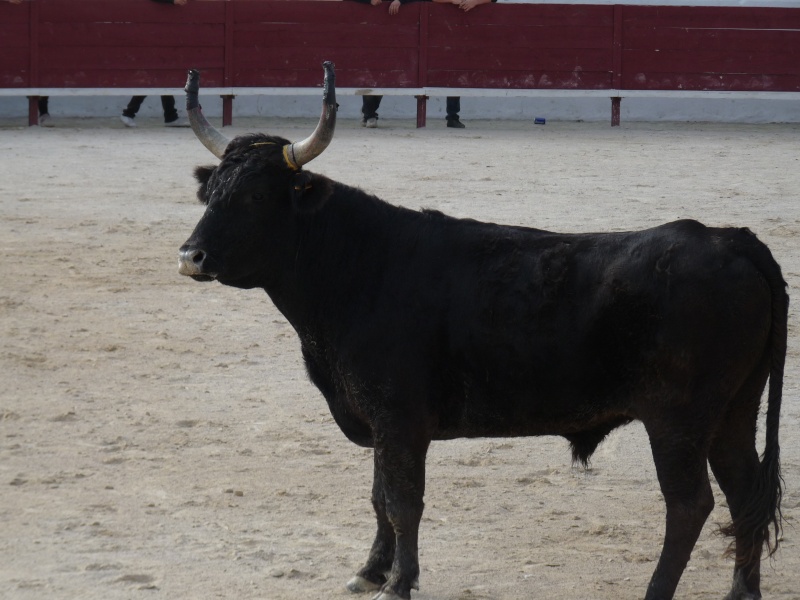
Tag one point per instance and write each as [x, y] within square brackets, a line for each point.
[682, 473]
[734, 461]
[373, 575]
[400, 474]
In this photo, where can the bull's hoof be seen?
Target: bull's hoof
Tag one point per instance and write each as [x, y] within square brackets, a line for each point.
[389, 595]
[359, 585]
[739, 590]
[740, 595]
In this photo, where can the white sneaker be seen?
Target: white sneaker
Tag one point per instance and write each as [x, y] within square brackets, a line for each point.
[372, 123]
[179, 122]
[45, 121]
[127, 121]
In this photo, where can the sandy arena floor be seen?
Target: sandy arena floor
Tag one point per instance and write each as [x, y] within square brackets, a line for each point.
[159, 438]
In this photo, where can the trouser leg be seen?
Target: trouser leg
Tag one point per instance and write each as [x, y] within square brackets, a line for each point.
[370, 105]
[133, 106]
[453, 107]
[168, 104]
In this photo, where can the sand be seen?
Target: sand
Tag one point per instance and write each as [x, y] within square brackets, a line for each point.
[159, 437]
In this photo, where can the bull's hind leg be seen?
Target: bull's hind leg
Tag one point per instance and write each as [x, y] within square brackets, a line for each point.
[680, 459]
[734, 462]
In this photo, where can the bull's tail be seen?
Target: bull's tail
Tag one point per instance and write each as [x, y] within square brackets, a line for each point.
[761, 518]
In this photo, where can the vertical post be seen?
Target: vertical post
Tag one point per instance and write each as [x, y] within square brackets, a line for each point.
[421, 110]
[33, 110]
[615, 104]
[227, 110]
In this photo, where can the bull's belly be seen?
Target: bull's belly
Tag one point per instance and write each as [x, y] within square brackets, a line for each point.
[557, 416]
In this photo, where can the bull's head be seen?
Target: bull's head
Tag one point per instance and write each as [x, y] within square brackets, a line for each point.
[252, 194]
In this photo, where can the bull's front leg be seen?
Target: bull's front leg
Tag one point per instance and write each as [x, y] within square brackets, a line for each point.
[398, 490]
[373, 575]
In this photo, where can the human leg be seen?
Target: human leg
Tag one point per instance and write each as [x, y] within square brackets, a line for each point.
[453, 108]
[133, 106]
[44, 113]
[168, 104]
[369, 110]
[129, 114]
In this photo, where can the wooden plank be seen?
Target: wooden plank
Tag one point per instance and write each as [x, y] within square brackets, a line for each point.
[443, 16]
[16, 15]
[533, 79]
[129, 11]
[34, 26]
[132, 34]
[15, 45]
[114, 78]
[124, 58]
[510, 59]
[358, 78]
[616, 54]
[14, 75]
[351, 35]
[751, 40]
[331, 14]
[522, 36]
[710, 82]
[724, 17]
[14, 35]
[711, 61]
[230, 54]
[312, 57]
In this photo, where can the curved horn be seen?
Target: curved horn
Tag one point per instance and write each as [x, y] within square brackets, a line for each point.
[205, 132]
[300, 153]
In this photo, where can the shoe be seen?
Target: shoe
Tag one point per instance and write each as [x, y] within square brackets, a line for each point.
[179, 122]
[363, 122]
[127, 121]
[455, 123]
[371, 123]
[45, 121]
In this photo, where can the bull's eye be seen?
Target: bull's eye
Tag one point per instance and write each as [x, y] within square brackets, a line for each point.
[258, 197]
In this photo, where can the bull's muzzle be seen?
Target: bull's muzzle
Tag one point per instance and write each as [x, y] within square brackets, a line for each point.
[193, 262]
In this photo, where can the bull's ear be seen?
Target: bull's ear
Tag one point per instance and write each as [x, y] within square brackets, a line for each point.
[310, 191]
[203, 174]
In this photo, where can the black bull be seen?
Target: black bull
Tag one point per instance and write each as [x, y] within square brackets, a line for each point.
[416, 327]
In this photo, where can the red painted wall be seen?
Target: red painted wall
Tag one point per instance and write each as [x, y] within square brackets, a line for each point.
[266, 43]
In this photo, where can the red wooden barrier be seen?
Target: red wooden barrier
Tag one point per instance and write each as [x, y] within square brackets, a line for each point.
[241, 44]
[532, 46]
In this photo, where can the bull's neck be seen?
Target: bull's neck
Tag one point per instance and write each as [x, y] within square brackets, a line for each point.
[338, 259]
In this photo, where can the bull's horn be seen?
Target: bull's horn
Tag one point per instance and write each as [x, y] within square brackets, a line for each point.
[205, 132]
[300, 153]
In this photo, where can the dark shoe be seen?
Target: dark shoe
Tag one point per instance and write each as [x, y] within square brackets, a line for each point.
[455, 123]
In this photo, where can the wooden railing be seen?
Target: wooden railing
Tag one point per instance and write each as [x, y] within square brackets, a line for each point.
[84, 47]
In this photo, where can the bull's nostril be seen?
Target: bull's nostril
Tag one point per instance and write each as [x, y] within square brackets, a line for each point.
[193, 261]
[197, 257]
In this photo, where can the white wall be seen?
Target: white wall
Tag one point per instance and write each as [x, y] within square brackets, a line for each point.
[557, 109]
